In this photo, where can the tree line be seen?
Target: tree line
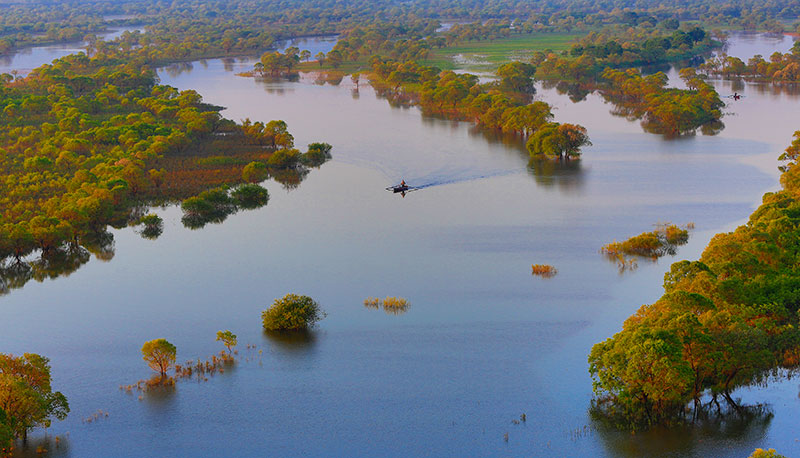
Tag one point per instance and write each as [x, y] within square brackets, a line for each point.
[502, 106]
[780, 68]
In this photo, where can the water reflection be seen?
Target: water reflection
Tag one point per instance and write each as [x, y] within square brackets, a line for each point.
[45, 446]
[713, 429]
[100, 244]
[177, 69]
[15, 273]
[159, 397]
[566, 175]
[292, 342]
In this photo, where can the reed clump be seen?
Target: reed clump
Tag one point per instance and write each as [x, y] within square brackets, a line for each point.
[390, 304]
[395, 305]
[544, 270]
[372, 302]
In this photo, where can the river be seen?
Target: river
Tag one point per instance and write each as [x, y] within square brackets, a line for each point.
[483, 342]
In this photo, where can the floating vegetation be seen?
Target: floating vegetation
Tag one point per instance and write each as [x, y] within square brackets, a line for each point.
[544, 270]
[391, 305]
[665, 240]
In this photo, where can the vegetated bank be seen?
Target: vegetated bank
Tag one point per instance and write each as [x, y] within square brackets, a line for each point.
[781, 68]
[604, 64]
[726, 321]
[90, 142]
[501, 106]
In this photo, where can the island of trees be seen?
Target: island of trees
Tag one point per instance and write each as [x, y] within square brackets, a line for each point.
[726, 321]
[781, 68]
[90, 142]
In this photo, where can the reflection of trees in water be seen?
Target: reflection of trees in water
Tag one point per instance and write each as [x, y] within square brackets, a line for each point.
[159, 396]
[100, 244]
[296, 341]
[59, 262]
[15, 273]
[177, 69]
[567, 175]
[289, 178]
[54, 446]
[576, 92]
[746, 426]
[334, 78]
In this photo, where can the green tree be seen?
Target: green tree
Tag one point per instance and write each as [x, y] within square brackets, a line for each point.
[26, 396]
[292, 312]
[6, 435]
[250, 195]
[558, 140]
[159, 355]
[255, 172]
[228, 339]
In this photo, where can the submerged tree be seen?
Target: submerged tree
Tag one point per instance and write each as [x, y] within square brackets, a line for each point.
[159, 355]
[26, 397]
[558, 140]
[228, 339]
[292, 312]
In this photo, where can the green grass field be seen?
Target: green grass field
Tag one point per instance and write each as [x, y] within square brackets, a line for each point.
[488, 55]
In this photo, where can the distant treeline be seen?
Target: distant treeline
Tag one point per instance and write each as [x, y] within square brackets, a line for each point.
[780, 68]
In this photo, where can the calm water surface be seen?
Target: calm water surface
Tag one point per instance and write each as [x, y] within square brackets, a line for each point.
[483, 341]
[27, 59]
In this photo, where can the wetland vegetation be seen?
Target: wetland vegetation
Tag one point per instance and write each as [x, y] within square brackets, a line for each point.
[93, 141]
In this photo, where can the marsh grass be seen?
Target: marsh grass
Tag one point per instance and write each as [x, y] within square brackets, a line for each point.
[197, 369]
[391, 305]
[372, 302]
[544, 270]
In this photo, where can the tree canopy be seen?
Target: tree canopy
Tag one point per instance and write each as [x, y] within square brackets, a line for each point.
[27, 400]
[159, 355]
[292, 312]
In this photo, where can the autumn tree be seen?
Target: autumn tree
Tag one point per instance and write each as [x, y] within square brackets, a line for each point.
[159, 355]
[26, 396]
[228, 339]
[558, 140]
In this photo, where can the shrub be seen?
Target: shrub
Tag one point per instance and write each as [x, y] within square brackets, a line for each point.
[254, 172]
[292, 312]
[317, 154]
[250, 196]
[284, 158]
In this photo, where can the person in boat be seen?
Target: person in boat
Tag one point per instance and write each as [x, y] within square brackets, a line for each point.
[402, 183]
[736, 96]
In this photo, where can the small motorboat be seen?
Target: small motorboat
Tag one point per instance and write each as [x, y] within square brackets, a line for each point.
[399, 188]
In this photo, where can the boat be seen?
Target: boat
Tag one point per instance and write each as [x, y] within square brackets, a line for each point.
[400, 188]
